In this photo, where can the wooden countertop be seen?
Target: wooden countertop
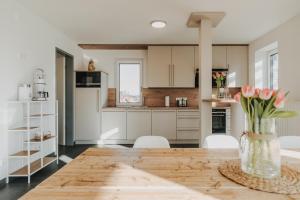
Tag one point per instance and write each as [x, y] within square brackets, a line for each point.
[147, 174]
[147, 108]
[227, 101]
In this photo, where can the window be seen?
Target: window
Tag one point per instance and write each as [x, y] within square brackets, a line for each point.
[129, 82]
[273, 69]
[266, 67]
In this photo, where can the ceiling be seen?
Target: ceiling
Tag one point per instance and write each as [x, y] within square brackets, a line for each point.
[128, 21]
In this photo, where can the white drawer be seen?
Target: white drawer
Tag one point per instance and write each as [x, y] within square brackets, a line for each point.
[188, 135]
[188, 122]
[181, 113]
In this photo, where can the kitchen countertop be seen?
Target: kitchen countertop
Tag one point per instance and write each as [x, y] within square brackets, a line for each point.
[147, 108]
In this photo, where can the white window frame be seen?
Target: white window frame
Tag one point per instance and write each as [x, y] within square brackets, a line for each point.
[269, 54]
[128, 61]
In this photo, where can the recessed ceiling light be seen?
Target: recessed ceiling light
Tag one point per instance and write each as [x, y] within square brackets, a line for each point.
[158, 24]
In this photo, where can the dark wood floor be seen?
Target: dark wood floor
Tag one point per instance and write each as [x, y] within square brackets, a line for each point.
[19, 186]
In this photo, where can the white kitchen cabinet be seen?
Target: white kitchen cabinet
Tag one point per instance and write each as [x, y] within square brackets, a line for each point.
[164, 123]
[183, 66]
[219, 57]
[237, 62]
[188, 125]
[86, 108]
[171, 66]
[138, 124]
[159, 66]
[113, 125]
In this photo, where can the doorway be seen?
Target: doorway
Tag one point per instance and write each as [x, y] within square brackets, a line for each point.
[65, 95]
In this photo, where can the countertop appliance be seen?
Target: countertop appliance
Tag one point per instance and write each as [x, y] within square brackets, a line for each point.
[221, 121]
[91, 96]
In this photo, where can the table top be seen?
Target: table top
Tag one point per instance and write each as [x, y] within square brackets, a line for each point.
[147, 174]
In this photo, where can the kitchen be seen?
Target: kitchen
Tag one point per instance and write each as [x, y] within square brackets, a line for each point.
[155, 115]
[152, 99]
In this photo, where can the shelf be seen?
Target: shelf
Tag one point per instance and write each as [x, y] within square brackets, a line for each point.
[219, 100]
[37, 140]
[23, 153]
[34, 167]
[23, 129]
[39, 115]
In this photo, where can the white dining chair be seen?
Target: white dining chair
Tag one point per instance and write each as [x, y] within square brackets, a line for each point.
[151, 142]
[289, 142]
[220, 142]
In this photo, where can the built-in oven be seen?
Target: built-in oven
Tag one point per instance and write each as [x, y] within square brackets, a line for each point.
[221, 121]
[88, 79]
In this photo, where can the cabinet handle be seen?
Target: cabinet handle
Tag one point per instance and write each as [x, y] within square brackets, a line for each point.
[98, 101]
[173, 75]
[170, 75]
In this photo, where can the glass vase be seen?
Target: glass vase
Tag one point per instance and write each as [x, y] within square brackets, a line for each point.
[260, 149]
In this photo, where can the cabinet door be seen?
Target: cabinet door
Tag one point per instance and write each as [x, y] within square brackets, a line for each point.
[87, 114]
[219, 59]
[164, 124]
[197, 64]
[183, 66]
[159, 66]
[237, 59]
[113, 125]
[138, 124]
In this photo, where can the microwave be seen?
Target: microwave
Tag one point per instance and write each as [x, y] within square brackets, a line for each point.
[88, 79]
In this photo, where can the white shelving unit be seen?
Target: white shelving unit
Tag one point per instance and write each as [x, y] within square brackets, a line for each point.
[35, 115]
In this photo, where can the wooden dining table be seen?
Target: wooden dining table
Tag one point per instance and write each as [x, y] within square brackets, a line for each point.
[148, 174]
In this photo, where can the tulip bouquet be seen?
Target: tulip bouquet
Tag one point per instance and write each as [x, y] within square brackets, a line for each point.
[259, 145]
[219, 77]
[261, 104]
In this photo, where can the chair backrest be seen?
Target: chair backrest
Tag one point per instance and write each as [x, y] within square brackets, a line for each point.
[291, 142]
[220, 142]
[151, 142]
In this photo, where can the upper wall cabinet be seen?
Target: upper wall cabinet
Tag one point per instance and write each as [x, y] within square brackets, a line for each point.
[171, 66]
[235, 58]
[183, 66]
[219, 59]
[237, 63]
[159, 66]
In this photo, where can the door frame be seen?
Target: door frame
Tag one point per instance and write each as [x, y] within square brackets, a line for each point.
[69, 111]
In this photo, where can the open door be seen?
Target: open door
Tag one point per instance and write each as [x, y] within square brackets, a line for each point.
[65, 97]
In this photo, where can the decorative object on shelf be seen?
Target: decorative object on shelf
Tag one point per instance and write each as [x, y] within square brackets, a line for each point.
[39, 92]
[260, 149]
[287, 183]
[219, 78]
[91, 66]
[24, 92]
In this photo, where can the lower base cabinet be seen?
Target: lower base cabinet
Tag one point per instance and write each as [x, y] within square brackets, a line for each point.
[113, 125]
[138, 124]
[164, 124]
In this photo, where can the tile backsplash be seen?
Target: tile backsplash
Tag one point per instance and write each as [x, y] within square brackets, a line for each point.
[155, 97]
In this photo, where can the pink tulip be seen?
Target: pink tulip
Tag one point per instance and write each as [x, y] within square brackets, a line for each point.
[280, 99]
[237, 97]
[265, 94]
[218, 75]
[257, 91]
[248, 91]
[214, 76]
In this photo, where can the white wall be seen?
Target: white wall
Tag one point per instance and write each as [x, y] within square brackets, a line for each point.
[27, 42]
[288, 37]
[105, 60]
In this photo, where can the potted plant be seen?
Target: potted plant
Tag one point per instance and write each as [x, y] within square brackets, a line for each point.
[259, 145]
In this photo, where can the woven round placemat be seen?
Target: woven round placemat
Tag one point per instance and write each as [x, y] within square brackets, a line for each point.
[287, 183]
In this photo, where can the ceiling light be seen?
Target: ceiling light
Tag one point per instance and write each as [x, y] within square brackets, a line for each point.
[158, 24]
